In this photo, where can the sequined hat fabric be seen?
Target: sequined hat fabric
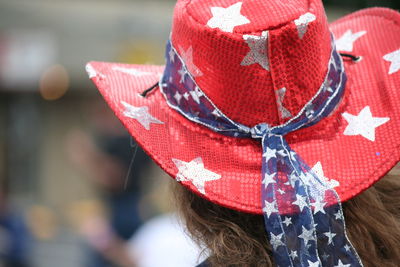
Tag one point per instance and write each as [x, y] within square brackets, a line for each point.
[256, 69]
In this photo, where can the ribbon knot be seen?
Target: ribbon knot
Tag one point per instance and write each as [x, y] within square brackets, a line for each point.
[260, 130]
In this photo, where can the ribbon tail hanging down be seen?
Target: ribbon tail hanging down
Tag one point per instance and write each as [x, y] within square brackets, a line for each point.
[303, 215]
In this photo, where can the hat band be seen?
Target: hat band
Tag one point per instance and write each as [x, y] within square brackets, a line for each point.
[314, 234]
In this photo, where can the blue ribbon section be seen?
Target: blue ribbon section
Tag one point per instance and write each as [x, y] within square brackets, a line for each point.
[303, 214]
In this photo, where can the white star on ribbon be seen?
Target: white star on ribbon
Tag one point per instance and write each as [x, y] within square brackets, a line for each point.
[182, 72]
[302, 23]
[178, 97]
[287, 221]
[216, 113]
[226, 19]
[340, 264]
[307, 252]
[307, 235]
[300, 201]
[346, 42]
[347, 247]
[186, 95]
[171, 54]
[270, 153]
[327, 85]
[258, 53]
[268, 179]
[284, 112]
[313, 264]
[338, 215]
[196, 94]
[187, 57]
[330, 236]
[281, 153]
[319, 207]
[325, 256]
[293, 254]
[292, 155]
[131, 71]
[280, 191]
[276, 240]
[363, 124]
[394, 58]
[317, 169]
[269, 208]
[141, 114]
[293, 178]
[195, 172]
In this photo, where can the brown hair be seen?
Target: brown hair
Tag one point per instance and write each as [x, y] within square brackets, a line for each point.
[233, 238]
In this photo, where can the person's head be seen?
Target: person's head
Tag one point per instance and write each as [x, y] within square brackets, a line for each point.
[270, 115]
[234, 238]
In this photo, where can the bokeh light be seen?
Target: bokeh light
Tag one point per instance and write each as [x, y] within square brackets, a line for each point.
[54, 83]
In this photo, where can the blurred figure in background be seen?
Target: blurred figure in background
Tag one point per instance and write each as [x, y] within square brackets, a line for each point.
[14, 235]
[116, 167]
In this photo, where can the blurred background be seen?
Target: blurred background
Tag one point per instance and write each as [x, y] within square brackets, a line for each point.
[74, 188]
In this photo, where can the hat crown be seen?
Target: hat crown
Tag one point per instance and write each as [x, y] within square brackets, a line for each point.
[256, 60]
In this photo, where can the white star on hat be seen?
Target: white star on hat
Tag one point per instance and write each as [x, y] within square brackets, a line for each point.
[194, 172]
[363, 124]
[141, 114]
[302, 23]
[131, 71]
[345, 43]
[394, 58]
[187, 57]
[317, 169]
[258, 53]
[340, 264]
[91, 71]
[227, 18]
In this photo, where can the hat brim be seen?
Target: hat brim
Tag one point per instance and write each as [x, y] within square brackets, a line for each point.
[353, 161]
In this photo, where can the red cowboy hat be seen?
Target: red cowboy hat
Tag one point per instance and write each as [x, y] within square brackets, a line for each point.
[262, 61]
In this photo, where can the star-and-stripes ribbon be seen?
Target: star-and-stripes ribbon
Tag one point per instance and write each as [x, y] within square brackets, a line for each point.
[303, 215]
